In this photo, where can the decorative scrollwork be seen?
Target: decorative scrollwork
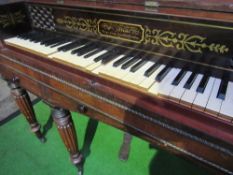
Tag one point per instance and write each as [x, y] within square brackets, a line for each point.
[11, 19]
[141, 34]
[181, 41]
[79, 24]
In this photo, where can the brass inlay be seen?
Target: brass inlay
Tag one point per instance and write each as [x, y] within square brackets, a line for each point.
[142, 34]
[182, 41]
[11, 19]
[121, 30]
[78, 24]
[161, 19]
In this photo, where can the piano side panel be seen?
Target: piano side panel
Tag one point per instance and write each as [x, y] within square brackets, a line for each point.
[12, 18]
[123, 118]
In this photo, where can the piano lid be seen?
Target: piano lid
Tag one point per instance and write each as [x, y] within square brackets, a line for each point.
[211, 9]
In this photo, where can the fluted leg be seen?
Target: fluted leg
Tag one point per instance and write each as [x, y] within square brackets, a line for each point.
[25, 106]
[67, 132]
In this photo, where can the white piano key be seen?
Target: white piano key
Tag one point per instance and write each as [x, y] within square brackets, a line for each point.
[178, 90]
[103, 67]
[94, 65]
[65, 55]
[167, 87]
[106, 69]
[77, 60]
[112, 71]
[226, 109]
[151, 79]
[139, 74]
[202, 98]
[131, 76]
[190, 94]
[214, 103]
[12, 40]
[118, 72]
[32, 46]
[157, 87]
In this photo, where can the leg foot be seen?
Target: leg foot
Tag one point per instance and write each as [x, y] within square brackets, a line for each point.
[65, 126]
[25, 106]
[125, 147]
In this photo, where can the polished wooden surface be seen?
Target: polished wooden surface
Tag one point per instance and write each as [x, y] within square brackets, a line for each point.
[202, 137]
[68, 97]
[193, 9]
[25, 106]
[66, 129]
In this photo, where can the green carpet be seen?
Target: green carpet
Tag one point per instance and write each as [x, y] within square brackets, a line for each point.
[22, 154]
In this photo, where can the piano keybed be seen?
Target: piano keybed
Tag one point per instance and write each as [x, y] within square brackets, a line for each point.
[158, 77]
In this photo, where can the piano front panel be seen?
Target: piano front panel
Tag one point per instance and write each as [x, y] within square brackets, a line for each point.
[192, 41]
[54, 86]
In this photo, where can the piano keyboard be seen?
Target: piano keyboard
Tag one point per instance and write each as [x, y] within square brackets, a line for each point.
[157, 77]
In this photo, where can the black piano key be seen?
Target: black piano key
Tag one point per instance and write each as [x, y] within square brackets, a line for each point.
[87, 50]
[36, 38]
[54, 41]
[103, 56]
[22, 36]
[110, 58]
[162, 73]
[26, 36]
[179, 77]
[130, 62]
[82, 50]
[138, 65]
[190, 81]
[60, 43]
[124, 59]
[47, 40]
[92, 53]
[43, 39]
[40, 37]
[51, 41]
[222, 90]
[201, 87]
[34, 32]
[75, 51]
[121, 61]
[152, 69]
[69, 46]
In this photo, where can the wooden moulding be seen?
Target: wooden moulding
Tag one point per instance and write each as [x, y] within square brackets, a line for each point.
[193, 9]
[168, 109]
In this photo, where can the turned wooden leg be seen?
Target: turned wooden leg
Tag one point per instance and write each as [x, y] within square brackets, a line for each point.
[66, 129]
[25, 106]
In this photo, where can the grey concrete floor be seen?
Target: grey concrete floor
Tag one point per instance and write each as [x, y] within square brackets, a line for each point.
[7, 103]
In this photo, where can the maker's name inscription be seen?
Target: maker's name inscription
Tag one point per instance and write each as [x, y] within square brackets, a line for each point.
[120, 30]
